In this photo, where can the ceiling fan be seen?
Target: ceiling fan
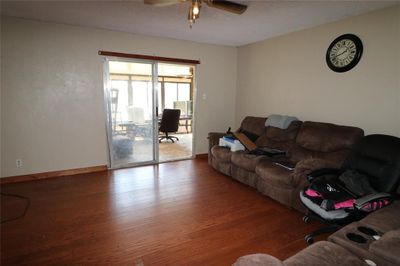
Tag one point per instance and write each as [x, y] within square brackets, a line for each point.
[195, 6]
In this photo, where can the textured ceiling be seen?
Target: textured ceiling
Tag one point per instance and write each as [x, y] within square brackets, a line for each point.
[262, 20]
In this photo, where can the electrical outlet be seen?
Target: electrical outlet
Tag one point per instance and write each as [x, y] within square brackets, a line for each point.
[18, 163]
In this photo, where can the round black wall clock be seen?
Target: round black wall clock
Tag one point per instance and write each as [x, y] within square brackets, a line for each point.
[344, 53]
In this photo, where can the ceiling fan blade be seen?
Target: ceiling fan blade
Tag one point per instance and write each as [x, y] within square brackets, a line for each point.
[227, 6]
[163, 2]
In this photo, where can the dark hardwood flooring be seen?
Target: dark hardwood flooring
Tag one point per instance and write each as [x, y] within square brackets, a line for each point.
[179, 213]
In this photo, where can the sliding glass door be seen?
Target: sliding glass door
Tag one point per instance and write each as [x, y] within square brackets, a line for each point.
[131, 119]
[136, 94]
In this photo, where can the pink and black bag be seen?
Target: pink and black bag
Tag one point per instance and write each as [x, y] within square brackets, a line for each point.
[344, 193]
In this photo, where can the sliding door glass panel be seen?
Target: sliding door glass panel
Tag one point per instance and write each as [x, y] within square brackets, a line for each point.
[171, 94]
[176, 92]
[183, 92]
[132, 117]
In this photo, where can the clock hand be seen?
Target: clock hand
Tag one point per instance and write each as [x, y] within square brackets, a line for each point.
[340, 54]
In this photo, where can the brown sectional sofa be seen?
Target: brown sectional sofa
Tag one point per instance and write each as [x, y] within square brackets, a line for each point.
[339, 250]
[308, 145]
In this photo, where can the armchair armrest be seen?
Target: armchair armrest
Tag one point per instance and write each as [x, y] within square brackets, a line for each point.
[373, 202]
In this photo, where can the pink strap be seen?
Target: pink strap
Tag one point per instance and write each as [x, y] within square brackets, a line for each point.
[312, 193]
[345, 204]
[372, 206]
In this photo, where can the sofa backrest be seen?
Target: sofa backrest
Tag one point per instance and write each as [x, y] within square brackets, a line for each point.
[325, 141]
[326, 137]
[279, 138]
[253, 125]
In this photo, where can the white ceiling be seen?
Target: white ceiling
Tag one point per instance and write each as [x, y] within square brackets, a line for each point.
[262, 20]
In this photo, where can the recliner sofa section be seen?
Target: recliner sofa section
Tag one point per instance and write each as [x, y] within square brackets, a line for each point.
[308, 145]
[318, 145]
[243, 164]
[383, 250]
[220, 157]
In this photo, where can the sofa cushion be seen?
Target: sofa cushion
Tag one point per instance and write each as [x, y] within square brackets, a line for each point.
[244, 176]
[253, 125]
[282, 139]
[390, 215]
[297, 153]
[245, 160]
[388, 247]
[221, 154]
[274, 134]
[324, 253]
[326, 137]
[258, 260]
[282, 194]
[274, 174]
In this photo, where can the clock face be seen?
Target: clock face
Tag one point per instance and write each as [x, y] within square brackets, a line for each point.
[344, 53]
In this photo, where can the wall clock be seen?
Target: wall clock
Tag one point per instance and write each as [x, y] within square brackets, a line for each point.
[344, 53]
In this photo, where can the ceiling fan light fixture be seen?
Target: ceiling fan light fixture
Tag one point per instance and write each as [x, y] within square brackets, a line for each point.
[194, 11]
[196, 7]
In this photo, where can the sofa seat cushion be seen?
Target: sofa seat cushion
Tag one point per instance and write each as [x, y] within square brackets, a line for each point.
[221, 154]
[388, 247]
[245, 160]
[274, 174]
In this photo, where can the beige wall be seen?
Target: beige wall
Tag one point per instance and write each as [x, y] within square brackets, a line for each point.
[52, 109]
[289, 75]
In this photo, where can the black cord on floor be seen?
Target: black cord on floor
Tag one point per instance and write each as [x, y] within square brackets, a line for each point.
[28, 203]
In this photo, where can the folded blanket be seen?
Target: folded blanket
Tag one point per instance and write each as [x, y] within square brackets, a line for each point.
[280, 121]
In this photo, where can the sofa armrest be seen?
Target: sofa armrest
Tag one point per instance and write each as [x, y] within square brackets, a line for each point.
[213, 139]
[258, 260]
[307, 166]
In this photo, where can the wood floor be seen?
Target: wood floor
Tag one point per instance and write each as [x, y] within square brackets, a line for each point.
[179, 213]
